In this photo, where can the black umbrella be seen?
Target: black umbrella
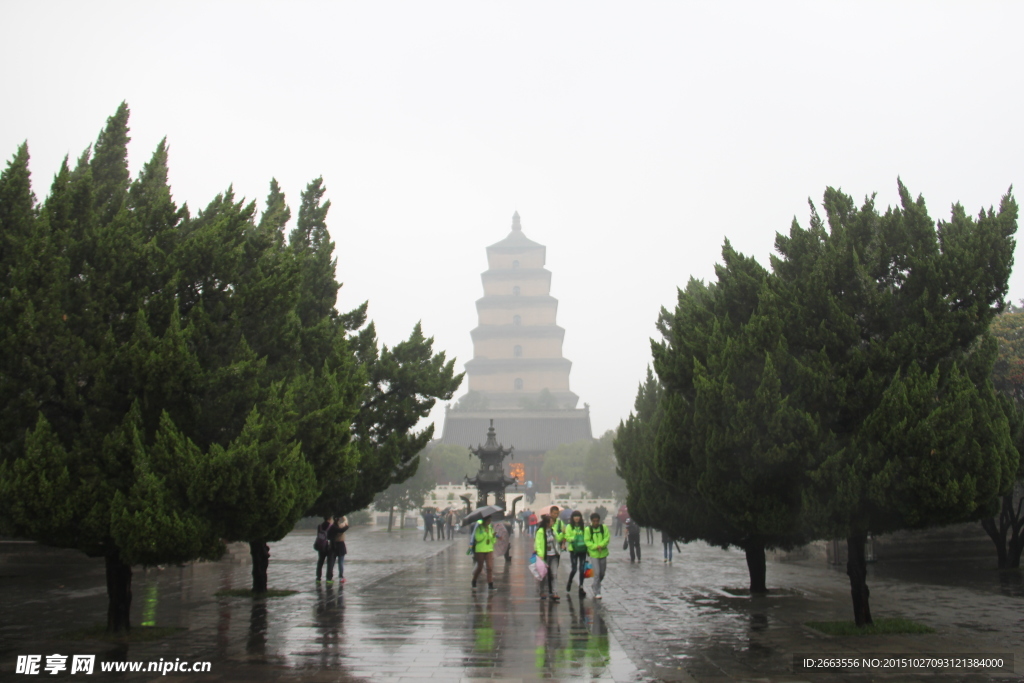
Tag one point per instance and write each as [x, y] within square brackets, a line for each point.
[480, 513]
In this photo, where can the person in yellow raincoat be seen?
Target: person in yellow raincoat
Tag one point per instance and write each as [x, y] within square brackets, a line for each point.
[546, 543]
[483, 551]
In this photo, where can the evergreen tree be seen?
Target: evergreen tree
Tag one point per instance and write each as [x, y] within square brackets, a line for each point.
[403, 385]
[82, 465]
[174, 381]
[885, 316]
[1006, 526]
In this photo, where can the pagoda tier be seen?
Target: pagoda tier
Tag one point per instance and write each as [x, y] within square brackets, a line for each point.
[517, 347]
[518, 377]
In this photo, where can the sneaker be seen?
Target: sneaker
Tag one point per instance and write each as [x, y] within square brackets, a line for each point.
[329, 581]
[491, 587]
[666, 559]
[583, 593]
[343, 580]
[597, 597]
[555, 598]
[318, 579]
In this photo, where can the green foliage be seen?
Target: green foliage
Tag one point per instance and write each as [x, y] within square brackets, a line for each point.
[473, 401]
[1006, 525]
[449, 464]
[590, 462]
[1008, 370]
[909, 430]
[662, 491]
[404, 383]
[407, 494]
[599, 470]
[845, 392]
[565, 464]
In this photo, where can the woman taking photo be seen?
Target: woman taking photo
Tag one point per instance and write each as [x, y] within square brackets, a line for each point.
[573, 537]
[546, 544]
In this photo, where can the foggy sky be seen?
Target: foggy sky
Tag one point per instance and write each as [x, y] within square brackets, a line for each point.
[631, 137]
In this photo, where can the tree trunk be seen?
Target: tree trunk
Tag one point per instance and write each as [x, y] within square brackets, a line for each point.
[998, 537]
[260, 553]
[756, 568]
[391, 518]
[857, 570]
[119, 594]
[1013, 553]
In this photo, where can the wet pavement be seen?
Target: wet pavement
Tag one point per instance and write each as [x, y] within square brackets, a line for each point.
[407, 613]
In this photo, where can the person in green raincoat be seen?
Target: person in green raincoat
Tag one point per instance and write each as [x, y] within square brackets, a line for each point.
[483, 551]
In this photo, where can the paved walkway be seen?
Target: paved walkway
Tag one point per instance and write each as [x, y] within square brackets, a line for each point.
[407, 613]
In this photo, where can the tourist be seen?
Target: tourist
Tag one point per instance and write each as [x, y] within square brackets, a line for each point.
[322, 545]
[577, 546]
[428, 523]
[558, 524]
[449, 523]
[532, 522]
[546, 544]
[338, 548]
[439, 524]
[483, 551]
[667, 541]
[597, 538]
[650, 534]
[620, 519]
[633, 539]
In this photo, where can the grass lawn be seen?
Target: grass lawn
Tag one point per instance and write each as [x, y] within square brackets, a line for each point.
[881, 626]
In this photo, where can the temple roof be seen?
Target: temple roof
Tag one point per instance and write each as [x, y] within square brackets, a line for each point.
[526, 431]
[516, 240]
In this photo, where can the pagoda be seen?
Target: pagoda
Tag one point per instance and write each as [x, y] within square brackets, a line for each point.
[518, 377]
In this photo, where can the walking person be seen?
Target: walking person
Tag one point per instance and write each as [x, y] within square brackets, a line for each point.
[483, 551]
[532, 521]
[428, 523]
[323, 546]
[558, 524]
[650, 534]
[667, 541]
[577, 547]
[449, 523]
[439, 524]
[336, 537]
[546, 544]
[620, 519]
[633, 539]
[596, 536]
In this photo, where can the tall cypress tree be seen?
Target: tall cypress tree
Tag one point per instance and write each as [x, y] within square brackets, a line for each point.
[1006, 526]
[81, 473]
[885, 316]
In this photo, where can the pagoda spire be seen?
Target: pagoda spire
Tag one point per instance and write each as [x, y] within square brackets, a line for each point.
[515, 222]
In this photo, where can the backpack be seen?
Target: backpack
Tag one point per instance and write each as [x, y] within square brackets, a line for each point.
[320, 544]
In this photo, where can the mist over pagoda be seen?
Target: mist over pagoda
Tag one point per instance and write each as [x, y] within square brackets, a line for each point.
[518, 376]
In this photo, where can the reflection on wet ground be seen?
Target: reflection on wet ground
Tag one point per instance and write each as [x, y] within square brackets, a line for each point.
[407, 613]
